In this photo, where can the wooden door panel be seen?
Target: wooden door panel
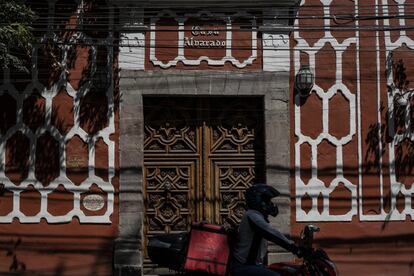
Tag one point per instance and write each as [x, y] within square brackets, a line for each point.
[168, 139]
[235, 127]
[235, 155]
[235, 139]
[170, 196]
[231, 179]
[170, 127]
[171, 165]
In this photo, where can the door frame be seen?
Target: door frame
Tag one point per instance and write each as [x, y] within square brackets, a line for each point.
[134, 85]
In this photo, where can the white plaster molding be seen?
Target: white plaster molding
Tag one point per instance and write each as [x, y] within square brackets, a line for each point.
[91, 140]
[132, 51]
[276, 52]
[396, 187]
[315, 186]
[181, 58]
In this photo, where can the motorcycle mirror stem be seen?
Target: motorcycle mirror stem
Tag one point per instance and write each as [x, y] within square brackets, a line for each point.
[307, 235]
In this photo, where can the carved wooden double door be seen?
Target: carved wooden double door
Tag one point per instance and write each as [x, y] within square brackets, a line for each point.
[200, 155]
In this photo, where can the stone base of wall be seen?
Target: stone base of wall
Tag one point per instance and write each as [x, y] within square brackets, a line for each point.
[127, 270]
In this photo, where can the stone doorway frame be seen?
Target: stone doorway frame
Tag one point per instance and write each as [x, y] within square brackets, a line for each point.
[134, 84]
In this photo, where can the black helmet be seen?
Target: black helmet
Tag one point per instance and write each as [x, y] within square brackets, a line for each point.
[259, 198]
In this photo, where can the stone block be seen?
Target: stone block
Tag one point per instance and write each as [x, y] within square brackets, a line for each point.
[147, 83]
[128, 244]
[128, 271]
[217, 83]
[132, 128]
[264, 83]
[248, 85]
[232, 84]
[188, 82]
[129, 230]
[279, 257]
[125, 73]
[131, 97]
[130, 224]
[131, 201]
[280, 170]
[275, 106]
[280, 93]
[202, 82]
[277, 126]
[175, 84]
[127, 257]
[132, 140]
[159, 85]
[131, 173]
[283, 201]
[128, 84]
[129, 206]
[131, 191]
[131, 179]
[280, 80]
[282, 224]
[277, 149]
[131, 156]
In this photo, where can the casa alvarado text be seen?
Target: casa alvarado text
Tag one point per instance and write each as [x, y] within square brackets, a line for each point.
[197, 31]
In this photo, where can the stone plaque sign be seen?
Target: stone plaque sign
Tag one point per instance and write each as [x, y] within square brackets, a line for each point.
[93, 202]
[76, 162]
[204, 37]
[202, 40]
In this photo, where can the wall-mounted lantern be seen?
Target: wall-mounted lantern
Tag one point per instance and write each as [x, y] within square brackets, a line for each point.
[304, 80]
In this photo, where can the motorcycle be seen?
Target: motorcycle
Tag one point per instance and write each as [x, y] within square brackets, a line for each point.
[172, 251]
[315, 261]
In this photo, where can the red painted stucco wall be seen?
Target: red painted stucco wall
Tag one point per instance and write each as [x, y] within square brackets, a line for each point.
[53, 121]
[372, 240]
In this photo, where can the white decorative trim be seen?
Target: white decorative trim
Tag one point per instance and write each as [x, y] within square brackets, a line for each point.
[62, 179]
[132, 51]
[315, 186]
[382, 216]
[359, 108]
[181, 58]
[276, 52]
[397, 187]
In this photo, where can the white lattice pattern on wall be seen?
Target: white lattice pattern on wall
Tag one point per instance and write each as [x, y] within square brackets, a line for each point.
[62, 139]
[398, 138]
[315, 186]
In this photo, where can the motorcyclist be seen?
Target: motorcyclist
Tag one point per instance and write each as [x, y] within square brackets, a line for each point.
[254, 232]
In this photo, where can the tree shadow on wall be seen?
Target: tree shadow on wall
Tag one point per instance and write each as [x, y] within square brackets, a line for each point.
[380, 136]
[64, 248]
[95, 107]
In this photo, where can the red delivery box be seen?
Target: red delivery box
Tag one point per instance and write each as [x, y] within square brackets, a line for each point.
[208, 249]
